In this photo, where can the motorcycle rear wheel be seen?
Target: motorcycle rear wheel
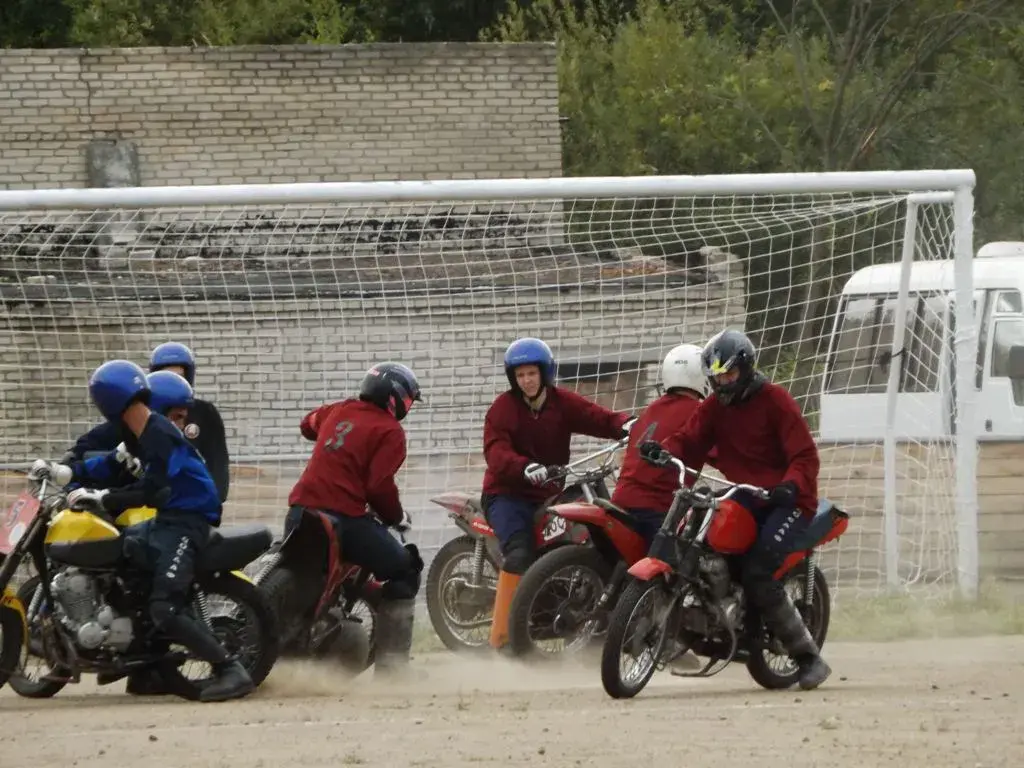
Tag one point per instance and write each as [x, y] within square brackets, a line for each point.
[817, 617]
[443, 599]
[260, 661]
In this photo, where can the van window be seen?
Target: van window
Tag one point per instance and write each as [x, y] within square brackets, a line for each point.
[855, 345]
[860, 363]
[1008, 301]
[1007, 333]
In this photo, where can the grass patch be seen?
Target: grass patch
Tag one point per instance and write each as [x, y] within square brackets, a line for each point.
[424, 638]
[999, 610]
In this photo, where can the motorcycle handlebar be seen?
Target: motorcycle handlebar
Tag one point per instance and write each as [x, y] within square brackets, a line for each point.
[558, 471]
[734, 488]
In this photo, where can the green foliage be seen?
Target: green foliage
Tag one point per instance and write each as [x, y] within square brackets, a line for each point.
[678, 86]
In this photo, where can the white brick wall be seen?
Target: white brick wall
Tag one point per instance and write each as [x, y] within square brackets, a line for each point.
[283, 113]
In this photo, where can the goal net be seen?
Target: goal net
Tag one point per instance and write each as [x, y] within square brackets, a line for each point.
[288, 294]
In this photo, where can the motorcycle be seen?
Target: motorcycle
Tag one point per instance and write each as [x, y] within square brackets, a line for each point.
[326, 607]
[85, 610]
[568, 593]
[13, 626]
[461, 604]
[685, 595]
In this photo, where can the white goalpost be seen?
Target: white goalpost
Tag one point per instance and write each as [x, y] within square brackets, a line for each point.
[287, 293]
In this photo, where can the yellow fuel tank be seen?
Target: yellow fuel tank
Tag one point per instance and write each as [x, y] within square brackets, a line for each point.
[133, 516]
[70, 527]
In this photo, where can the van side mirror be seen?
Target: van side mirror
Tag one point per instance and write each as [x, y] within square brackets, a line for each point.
[1015, 362]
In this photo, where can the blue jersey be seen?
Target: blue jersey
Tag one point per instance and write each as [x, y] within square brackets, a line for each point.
[97, 441]
[174, 478]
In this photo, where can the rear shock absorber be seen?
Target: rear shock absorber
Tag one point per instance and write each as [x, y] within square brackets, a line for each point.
[812, 562]
[477, 572]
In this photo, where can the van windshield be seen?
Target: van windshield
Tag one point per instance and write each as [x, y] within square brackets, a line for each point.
[859, 363]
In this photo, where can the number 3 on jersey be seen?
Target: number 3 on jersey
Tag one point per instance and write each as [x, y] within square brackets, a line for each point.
[337, 440]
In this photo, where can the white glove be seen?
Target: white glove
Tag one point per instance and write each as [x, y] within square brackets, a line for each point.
[405, 524]
[536, 473]
[86, 498]
[130, 463]
[42, 469]
[628, 427]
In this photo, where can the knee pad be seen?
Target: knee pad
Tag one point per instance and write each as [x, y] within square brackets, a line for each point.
[518, 553]
[416, 562]
[403, 588]
[517, 561]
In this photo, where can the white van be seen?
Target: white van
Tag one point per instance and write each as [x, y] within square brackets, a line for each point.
[853, 398]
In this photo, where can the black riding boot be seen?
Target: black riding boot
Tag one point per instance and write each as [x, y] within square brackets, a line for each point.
[231, 680]
[786, 624]
[393, 639]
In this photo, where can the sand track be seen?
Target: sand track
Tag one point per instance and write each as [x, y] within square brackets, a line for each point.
[957, 703]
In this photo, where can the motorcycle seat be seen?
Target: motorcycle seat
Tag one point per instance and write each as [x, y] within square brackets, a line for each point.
[618, 513]
[820, 525]
[235, 547]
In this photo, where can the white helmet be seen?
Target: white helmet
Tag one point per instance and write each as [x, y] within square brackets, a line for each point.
[683, 367]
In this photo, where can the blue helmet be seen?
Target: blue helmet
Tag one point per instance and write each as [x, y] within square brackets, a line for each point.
[529, 351]
[174, 353]
[115, 385]
[169, 390]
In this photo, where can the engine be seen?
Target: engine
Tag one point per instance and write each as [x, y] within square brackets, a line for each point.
[715, 571]
[81, 610]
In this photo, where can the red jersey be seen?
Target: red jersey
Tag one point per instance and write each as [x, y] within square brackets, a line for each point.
[515, 436]
[762, 441]
[359, 448]
[642, 485]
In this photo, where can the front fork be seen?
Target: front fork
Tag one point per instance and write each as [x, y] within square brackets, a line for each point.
[614, 583]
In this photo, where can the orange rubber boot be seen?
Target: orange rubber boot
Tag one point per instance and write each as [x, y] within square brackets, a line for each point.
[507, 583]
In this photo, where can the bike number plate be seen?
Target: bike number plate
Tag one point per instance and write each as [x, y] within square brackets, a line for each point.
[16, 520]
[556, 526]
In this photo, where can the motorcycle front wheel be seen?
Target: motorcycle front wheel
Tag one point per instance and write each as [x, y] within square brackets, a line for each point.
[636, 636]
[12, 638]
[40, 685]
[553, 611]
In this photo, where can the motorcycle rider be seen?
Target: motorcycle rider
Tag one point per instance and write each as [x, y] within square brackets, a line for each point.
[527, 428]
[176, 483]
[761, 438]
[360, 446]
[205, 427]
[642, 490]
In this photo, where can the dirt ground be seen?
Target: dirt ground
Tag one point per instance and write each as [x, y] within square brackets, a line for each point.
[933, 703]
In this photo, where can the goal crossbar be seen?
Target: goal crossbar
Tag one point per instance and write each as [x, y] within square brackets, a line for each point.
[490, 189]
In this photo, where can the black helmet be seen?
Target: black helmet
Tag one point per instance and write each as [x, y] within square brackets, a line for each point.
[732, 350]
[391, 386]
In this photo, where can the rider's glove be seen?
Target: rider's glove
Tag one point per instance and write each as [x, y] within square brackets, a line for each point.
[783, 495]
[87, 498]
[628, 427]
[42, 469]
[130, 463]
[536, 473]
[652, 451]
